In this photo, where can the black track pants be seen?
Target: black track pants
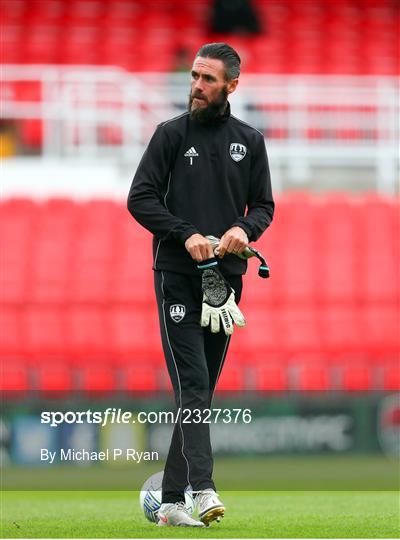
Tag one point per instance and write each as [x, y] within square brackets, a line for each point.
[194, 358]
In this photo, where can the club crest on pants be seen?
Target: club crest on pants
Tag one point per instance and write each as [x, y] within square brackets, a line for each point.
[177, 312]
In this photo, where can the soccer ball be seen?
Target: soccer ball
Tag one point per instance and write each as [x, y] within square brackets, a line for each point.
[150, 497]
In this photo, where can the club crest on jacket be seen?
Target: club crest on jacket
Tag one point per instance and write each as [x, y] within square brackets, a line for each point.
[177, 312]
[237, 151]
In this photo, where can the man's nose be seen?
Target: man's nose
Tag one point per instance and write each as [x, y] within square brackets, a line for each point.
[198, 85]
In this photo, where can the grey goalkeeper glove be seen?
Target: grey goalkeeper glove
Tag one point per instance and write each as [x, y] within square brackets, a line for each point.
[218, 299]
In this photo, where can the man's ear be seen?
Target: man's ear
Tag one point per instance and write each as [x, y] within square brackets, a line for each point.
[232, 85]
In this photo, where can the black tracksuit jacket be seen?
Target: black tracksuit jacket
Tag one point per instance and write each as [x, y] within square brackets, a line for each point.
[196, 178]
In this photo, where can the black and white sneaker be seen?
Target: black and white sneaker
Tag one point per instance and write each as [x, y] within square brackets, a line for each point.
[176, 515]
[209, 506]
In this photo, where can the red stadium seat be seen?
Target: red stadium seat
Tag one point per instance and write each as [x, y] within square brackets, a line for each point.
[14, 278]
[342, 330]
[11, 335]
[91, 266]
[231, 379]
[336, 245]
[79, 46]
[31, 129]
[133, 335]
[41, 44]
[299, 330]
[271, 377]
[32, 132]
[97, 379]
[11, 50]
[86, 333]
[83, 14]
[53, 251]
[310, 374]
[14, 380]
[27, 91]
[379, 278]
[12, 12]
[261, 335]
[43, 330]
[381, 329]
[391, 376]
[256, 290]
[130, 281]
[294, 272]
[120, 14]
[357, 377]
[54, 380]
[17, 225]
[139, 378]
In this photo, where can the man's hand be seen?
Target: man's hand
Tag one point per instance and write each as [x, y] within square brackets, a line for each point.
[233, 241]
[199, 247]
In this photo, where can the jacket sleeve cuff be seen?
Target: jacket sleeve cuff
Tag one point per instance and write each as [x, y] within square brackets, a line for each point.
[183, 236]
[209, 263]
[243, 226]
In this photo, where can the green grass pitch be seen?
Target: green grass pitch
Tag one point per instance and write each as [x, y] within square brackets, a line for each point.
[273, 514]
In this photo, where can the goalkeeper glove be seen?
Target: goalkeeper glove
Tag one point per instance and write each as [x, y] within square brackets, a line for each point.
[248, 252]
[218, 299]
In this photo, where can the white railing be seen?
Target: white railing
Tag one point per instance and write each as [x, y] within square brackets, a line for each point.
[312, 124]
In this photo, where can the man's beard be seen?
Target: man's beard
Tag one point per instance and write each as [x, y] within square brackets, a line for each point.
[212, 111]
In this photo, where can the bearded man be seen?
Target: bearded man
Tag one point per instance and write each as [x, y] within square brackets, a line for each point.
[204, 173]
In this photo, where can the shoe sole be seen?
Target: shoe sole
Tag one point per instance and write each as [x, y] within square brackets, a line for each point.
[164, 524]
[180, 525]
[214, 514]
